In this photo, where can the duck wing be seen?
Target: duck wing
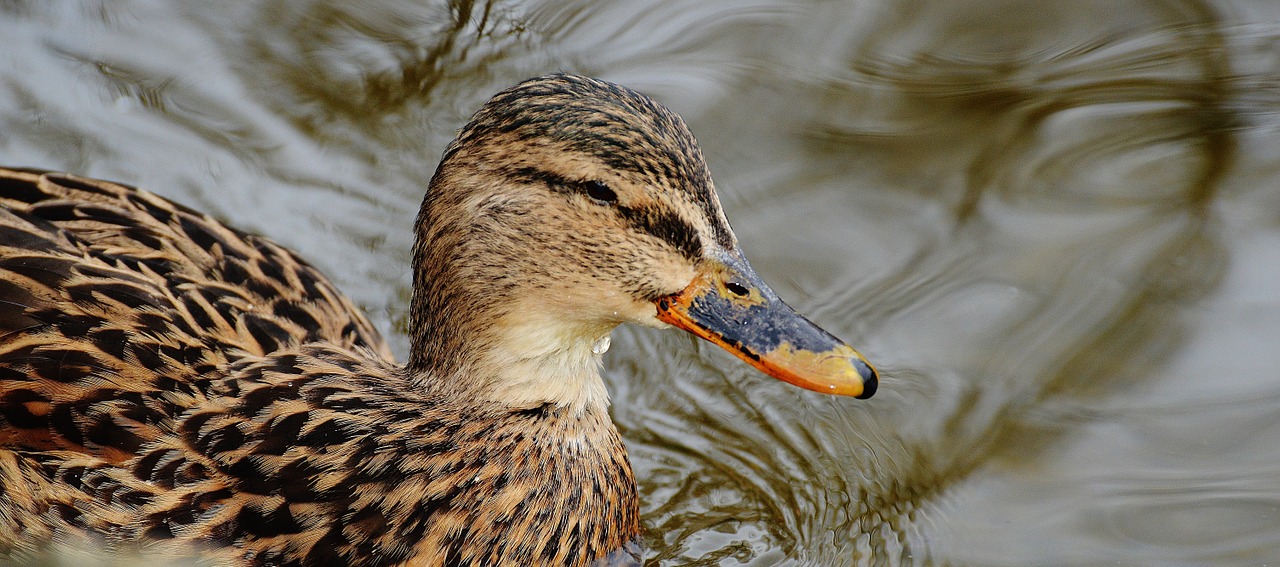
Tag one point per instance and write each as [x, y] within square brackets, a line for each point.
[118, 309]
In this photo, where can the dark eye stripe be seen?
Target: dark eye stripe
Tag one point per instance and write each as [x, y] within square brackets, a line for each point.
[659, 223]
[666, 226]
[593, 189]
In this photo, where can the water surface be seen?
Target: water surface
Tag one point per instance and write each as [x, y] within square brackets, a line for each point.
[1055, 226]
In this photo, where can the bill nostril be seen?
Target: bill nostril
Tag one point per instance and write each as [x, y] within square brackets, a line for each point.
[737, 289]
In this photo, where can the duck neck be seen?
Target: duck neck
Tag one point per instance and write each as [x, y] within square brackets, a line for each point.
[518, 359]
[478, 327]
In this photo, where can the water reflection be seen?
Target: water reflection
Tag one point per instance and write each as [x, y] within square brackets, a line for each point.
[1052, 225]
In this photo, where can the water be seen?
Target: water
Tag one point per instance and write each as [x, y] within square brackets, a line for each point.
[1054, 227]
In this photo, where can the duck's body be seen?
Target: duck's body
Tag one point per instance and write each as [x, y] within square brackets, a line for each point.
[170, 385]
[156, 392]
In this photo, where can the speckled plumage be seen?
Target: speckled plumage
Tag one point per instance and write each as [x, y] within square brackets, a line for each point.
[170, 386]
[159, 384]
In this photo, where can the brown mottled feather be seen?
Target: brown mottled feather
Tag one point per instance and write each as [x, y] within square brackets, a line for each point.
[145, 396]
[171, 386]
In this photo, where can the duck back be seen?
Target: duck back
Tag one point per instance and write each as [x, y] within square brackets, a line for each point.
[171, 386]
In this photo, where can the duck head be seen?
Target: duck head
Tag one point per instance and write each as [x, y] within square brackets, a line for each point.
[566, 207]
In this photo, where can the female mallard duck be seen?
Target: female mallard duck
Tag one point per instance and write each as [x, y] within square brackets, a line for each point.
[171, 385]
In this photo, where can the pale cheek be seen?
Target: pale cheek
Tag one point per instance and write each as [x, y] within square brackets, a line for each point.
[644, 313]
[652, 322]
[679, 273]
[621, 307]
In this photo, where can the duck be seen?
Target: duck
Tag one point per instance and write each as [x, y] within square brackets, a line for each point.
[174, 387]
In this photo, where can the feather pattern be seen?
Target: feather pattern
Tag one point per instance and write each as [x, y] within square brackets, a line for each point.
[145, 395]
[174, 387]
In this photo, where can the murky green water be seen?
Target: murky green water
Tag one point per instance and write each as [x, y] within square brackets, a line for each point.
[1054, 225]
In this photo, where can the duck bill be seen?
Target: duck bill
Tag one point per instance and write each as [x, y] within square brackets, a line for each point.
[729, 305]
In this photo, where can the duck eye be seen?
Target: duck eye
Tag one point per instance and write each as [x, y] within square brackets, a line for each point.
[601, 193]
